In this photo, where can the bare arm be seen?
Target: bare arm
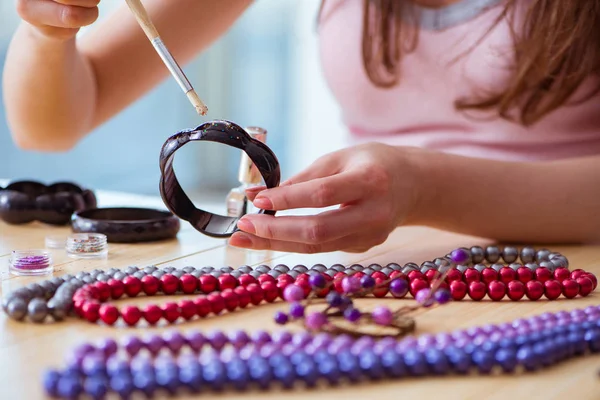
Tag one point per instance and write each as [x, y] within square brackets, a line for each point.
[58, 89]
[548, 202]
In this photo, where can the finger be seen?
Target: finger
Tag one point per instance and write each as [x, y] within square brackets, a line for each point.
[80, 3]
[253, 191]
[327, 165]
[50, 13]
[321, 192]
[324, 227]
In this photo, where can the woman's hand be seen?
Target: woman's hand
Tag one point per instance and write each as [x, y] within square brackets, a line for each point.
[375, 186]
[58, 19]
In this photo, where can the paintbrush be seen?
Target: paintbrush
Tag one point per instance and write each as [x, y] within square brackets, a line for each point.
[143, 19]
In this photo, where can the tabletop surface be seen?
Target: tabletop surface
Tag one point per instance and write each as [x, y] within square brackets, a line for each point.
[27, 349]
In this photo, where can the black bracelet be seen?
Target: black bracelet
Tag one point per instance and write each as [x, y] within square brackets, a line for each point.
[224, 132]
[22, 202]
[127, 225]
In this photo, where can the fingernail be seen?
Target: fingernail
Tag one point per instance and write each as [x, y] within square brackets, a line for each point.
[255, 189]
[240, 240]
[246, 225]
[263, 202]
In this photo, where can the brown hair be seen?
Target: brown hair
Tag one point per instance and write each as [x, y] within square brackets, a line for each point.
[556, 48]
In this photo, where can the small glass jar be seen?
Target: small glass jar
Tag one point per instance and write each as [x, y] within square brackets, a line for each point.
[31, 263]
[87, 245]
[56, 242]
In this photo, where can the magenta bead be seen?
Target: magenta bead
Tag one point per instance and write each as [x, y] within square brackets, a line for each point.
[315, 320]
[382, 316]
[350, 284]
[293, 293]
[424, 297]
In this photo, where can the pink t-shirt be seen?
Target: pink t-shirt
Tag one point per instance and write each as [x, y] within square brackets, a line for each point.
[420, 111]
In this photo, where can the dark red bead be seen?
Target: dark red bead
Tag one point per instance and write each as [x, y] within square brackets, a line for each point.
[594, 280]
[103, 290]
[93, 292]
[281, 286]
[489, 275]
[171, 311]
[412, 275]
[337, 281]
[534, 290]
[152, 313]
[381, 289]
[169, 284]
[471, 275]
[325, 291]
[398, 274]
[268, 278]
[207, 283]
[507, 274]
[227, 281]
[247, 279]
[543, 274]
[431, 274]
[188, 284]
[379, 275]
[560, 274]
[256, 293]
[453, 275]
[586, 286]
[203, 307]
[359, 274]
[577, 273]
[188, 309]
[283, 278]
[217, 304]
[91, 311]
[133, 286]
[570, 288]
[305, 276]
[117, 288]
[552, 289]
[243, 296]
[271, 293]
[477, 290]
[458, 289]
[496, 290]
[515, 290]
[131, 315]
[230, 299]
[524, 274]
[417, 285]
[150, 285]
[109, 314]
[77, 305]
[304, 285]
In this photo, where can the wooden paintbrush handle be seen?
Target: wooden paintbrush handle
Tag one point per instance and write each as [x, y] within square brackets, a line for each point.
[140, 13]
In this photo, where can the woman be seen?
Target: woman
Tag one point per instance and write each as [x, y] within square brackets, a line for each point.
[478, 116]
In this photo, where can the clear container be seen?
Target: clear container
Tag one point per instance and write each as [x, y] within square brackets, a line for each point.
[56, 242]
[87, 245]
[31, 263]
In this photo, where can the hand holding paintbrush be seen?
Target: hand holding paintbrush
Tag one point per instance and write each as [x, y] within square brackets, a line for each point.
[138, 10]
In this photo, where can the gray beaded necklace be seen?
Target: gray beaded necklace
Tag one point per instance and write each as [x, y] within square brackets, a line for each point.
[439, 19]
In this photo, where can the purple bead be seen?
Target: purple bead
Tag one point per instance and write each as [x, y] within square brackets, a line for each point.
[340, 343]
[334, 299]
[442, 296]
[108, 347]
[321, 339]
[350, 284]
[474, 331]
[133, 345]
[315, 320]
[196, 340]
[547, 316]
[384, 345]
[505, 327]
[217, 339]
[317, 281]
[382, 316]
[577, 313]
[289, 349]
[282, 337]
[362, 344]
[399, 287]
[174, 341]
[352, 314]
[458, 335]
[239, 339]
[496, 336]
[296, 310]
[154, 344]
[460, 256]
[269, 349]
[562, 314]
[260, 337]
[424, 297]
[93, 364]
[293, 293]
[367, 282]
[426, 340]
[281, 318]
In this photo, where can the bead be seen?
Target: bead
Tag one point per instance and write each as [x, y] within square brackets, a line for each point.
[412, 275]
[293, 293]
[489, 275]
[480, 267]
[424, 297]
[217, 304]
[477, 254]
[570, 288]
[382, 316]
[243, 296]
[131, 315]
[350, 284]
[171, 311]
[586, 286]
[108, 313]
[169, 284]
[577, 273]
[296, 310]
[226, 281]
[187, 309]
[442, 296]
[458, 289]
[527, 255]
[256, 293]
[150, 285]
[230, 299]
[317, 281]
[515, 290]
[552, 289]
[152, 314]
[496, 290]
[477, 290]
[58, 309]
[271, 292]
[399, 288]
[471, 275]
[534, 290]
[208, 284]
[507, 274]
[524, 274]
[37, 310]
[460, 256]
[281, 318]
[133, 286]
[560, 274]
[352, 314]
[510, 254]
[188, 284]
[594, 280]
[492, 254]
[203, 306]
[543, 274]
[417, 285]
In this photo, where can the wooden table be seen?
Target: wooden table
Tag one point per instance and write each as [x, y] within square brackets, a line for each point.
[27, 349]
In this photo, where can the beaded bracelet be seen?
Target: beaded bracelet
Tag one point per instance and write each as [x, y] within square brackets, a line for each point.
[173, 362]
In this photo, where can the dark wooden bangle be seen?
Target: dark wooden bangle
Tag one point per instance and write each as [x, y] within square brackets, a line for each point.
[227, 133]
[127, 225]
[22, 202]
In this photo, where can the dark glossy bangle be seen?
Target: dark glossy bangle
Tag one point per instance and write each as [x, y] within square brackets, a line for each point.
[127, 225]
[227, 133]
[22, 202]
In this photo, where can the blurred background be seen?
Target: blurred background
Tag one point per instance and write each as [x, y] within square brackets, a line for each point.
[264, 72]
